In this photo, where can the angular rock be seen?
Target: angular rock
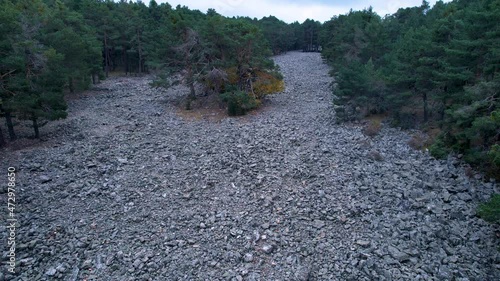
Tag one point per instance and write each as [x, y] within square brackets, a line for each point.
[397, 254]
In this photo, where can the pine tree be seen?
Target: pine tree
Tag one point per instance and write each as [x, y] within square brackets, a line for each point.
[413, 67]
[67, 33]
[2, 139]
[99, 15]
[11, 61]
[159, 36]
[279, 35]
[37, 84]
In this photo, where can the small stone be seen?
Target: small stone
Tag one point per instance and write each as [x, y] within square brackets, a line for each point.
[233, 231]
[319, 224]
[265, 225]
[248, 257]
[51, 272]
[45, 179]
[122, 160]
[444, 273]
[303, 273]
[87, 264]
[61, 268]
[446, 196]
[137, 263]
[465, 197]
[363, 243]
[453, 259]
[202, 225]
[397, 254]
[267, 248]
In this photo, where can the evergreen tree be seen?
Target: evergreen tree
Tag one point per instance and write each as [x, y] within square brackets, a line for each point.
[439, 63]
[159, 37]
[37, 83]
[11, 61]
[100, 16]
[277, 33]
[311, 30]
[67, 33]
[413, 68]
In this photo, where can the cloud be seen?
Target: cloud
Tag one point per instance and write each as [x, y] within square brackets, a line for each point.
[294, 10]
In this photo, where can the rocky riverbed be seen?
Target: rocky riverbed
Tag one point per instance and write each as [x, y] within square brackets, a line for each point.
[126, 189]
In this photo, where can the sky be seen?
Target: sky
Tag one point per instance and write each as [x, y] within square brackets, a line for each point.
[294, 10]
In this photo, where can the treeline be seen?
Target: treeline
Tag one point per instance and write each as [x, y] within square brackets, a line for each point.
[434, 68]
[53, 47]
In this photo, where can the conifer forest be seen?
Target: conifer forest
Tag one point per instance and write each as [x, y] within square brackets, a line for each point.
[143, 141]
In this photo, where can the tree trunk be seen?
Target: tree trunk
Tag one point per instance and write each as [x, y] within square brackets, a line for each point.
[191, 97]
[442, 111]
[190, 82]
[240, 77]
[2, 139]
[94, 81]
[35, 127]
[426, 110]
[311, 45]
[139, 49]
[106, 55]
[190, 79]
[71, 85]
[192, 93]
[125, 59]
[10, 126]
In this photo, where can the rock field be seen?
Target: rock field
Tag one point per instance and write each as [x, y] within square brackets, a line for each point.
[126, 189]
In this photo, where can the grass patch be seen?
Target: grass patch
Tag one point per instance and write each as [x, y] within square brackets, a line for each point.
[490, 210]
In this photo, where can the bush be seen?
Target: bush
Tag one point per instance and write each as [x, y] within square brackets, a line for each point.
[268, 83]
[439, 149]
[490, 211]
[372, 129]
[239, 102]
[476, 157]
[417, 142]
[494, 159]
[494, 155]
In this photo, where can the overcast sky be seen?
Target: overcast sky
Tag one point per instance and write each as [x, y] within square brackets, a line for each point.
[294, 10]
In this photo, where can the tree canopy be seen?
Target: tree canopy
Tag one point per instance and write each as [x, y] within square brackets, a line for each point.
[428, 67]
[55, 47]
[424, 67]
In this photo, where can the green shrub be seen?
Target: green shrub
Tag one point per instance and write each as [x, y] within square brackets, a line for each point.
[494, 155]
[439, 149]
[238, 102]
[476, 157]
[490, 211]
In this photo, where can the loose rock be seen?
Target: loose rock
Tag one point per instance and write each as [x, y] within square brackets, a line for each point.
[135, 190]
